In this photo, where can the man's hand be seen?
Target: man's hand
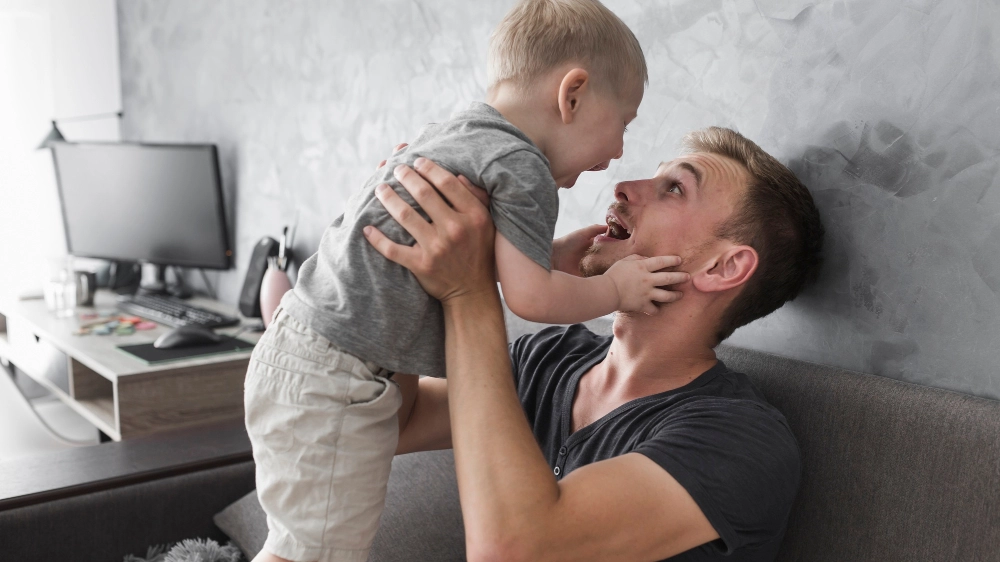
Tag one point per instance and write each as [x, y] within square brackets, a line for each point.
[453, 254]
[639, 281]
[479, 192]
[568, 251]
[395, 149]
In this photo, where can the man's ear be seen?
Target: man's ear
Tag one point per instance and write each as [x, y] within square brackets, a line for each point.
[730, 269]
[574, 84]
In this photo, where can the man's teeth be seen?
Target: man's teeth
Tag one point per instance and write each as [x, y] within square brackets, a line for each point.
[616, 230]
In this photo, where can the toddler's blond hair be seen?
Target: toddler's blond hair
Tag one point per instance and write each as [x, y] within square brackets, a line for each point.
[538, 35]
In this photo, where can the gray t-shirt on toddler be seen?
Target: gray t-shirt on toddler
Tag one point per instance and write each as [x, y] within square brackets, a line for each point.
[375, 309]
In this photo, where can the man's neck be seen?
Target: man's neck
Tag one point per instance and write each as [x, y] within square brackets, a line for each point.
[652, 354]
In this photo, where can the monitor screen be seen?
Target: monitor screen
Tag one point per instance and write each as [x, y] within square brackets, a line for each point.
[157, 204]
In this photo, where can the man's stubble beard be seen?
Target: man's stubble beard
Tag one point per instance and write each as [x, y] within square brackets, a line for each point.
[592, 265]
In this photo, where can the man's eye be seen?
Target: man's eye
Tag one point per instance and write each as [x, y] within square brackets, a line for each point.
[675, 187]
[626, 128]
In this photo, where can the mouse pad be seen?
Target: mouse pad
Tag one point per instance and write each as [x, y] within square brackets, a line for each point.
[148, 354]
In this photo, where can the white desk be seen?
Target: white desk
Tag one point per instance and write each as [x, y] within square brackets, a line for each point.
[118, 393]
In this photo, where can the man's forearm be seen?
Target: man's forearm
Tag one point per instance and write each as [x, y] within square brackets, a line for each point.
[428, 426]
[502, 476]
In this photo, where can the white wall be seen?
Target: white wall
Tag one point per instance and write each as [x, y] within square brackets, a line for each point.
[887, 109]
[58, 59]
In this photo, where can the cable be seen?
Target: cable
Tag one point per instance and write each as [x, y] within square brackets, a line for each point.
[31, 405]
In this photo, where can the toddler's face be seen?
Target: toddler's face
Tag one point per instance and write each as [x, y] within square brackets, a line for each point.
[595, 138]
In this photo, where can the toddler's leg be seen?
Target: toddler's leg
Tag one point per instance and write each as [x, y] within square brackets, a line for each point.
[324, 430]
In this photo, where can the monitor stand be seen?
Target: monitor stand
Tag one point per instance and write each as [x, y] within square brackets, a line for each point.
[124, 277]
[154, 282]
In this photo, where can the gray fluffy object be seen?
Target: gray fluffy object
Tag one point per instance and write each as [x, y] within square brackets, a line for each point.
[191, 550]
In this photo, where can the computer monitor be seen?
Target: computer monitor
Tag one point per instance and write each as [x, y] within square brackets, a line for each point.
[153, 203]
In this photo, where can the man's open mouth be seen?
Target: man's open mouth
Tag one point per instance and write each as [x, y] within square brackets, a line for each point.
[616, 229]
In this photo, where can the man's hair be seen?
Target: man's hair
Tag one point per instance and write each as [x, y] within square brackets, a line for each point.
[776, 217]
[538, 35]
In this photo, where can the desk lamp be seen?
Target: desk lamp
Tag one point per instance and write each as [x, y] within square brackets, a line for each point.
[55, 135]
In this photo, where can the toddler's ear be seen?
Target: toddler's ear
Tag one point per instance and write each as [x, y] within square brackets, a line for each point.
[574, 85]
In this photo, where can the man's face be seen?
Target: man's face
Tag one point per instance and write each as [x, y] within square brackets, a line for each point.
[676, 212]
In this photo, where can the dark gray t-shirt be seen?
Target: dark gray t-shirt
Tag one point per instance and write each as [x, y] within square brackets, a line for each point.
[375, 309]
[732, 451]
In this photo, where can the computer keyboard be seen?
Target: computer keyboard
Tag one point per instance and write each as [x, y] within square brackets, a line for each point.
[173, 311]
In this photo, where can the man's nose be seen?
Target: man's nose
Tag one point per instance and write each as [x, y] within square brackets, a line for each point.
[620, 152]
[625, 191]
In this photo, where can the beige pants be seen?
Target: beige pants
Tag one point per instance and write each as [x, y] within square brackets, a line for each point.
[323, 428]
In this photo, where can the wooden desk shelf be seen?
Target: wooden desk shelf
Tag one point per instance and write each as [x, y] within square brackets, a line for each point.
[95, 395]
[121, 395]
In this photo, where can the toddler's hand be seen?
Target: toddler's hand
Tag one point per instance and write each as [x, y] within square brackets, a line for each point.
[639, 281]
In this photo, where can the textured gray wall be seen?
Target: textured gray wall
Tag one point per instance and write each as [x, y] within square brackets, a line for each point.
[888, 109]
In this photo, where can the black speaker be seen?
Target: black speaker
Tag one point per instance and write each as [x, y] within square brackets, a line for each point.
[250, 295]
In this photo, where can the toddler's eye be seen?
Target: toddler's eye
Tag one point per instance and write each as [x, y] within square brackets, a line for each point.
[626, 128]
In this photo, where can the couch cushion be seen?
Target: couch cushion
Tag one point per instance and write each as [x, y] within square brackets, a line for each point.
[422, 519]
[107, 525]
[891, 470]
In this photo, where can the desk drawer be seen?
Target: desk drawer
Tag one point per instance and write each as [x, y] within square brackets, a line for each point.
[36, 357]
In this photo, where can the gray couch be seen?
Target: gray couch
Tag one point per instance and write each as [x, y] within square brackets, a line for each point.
[891, 471]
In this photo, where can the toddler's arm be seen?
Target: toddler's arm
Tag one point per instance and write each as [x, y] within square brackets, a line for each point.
[630, 285]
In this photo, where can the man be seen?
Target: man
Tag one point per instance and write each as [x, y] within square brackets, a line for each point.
[638, 447]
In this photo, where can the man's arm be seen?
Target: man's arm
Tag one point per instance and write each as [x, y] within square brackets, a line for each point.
[627, 508]
[429, 426]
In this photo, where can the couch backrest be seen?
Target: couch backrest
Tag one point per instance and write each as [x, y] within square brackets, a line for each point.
[891, 470]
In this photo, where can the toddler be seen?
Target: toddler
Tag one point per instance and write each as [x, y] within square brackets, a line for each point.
[566, 76]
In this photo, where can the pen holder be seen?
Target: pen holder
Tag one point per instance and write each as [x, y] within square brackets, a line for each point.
[274, 286]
